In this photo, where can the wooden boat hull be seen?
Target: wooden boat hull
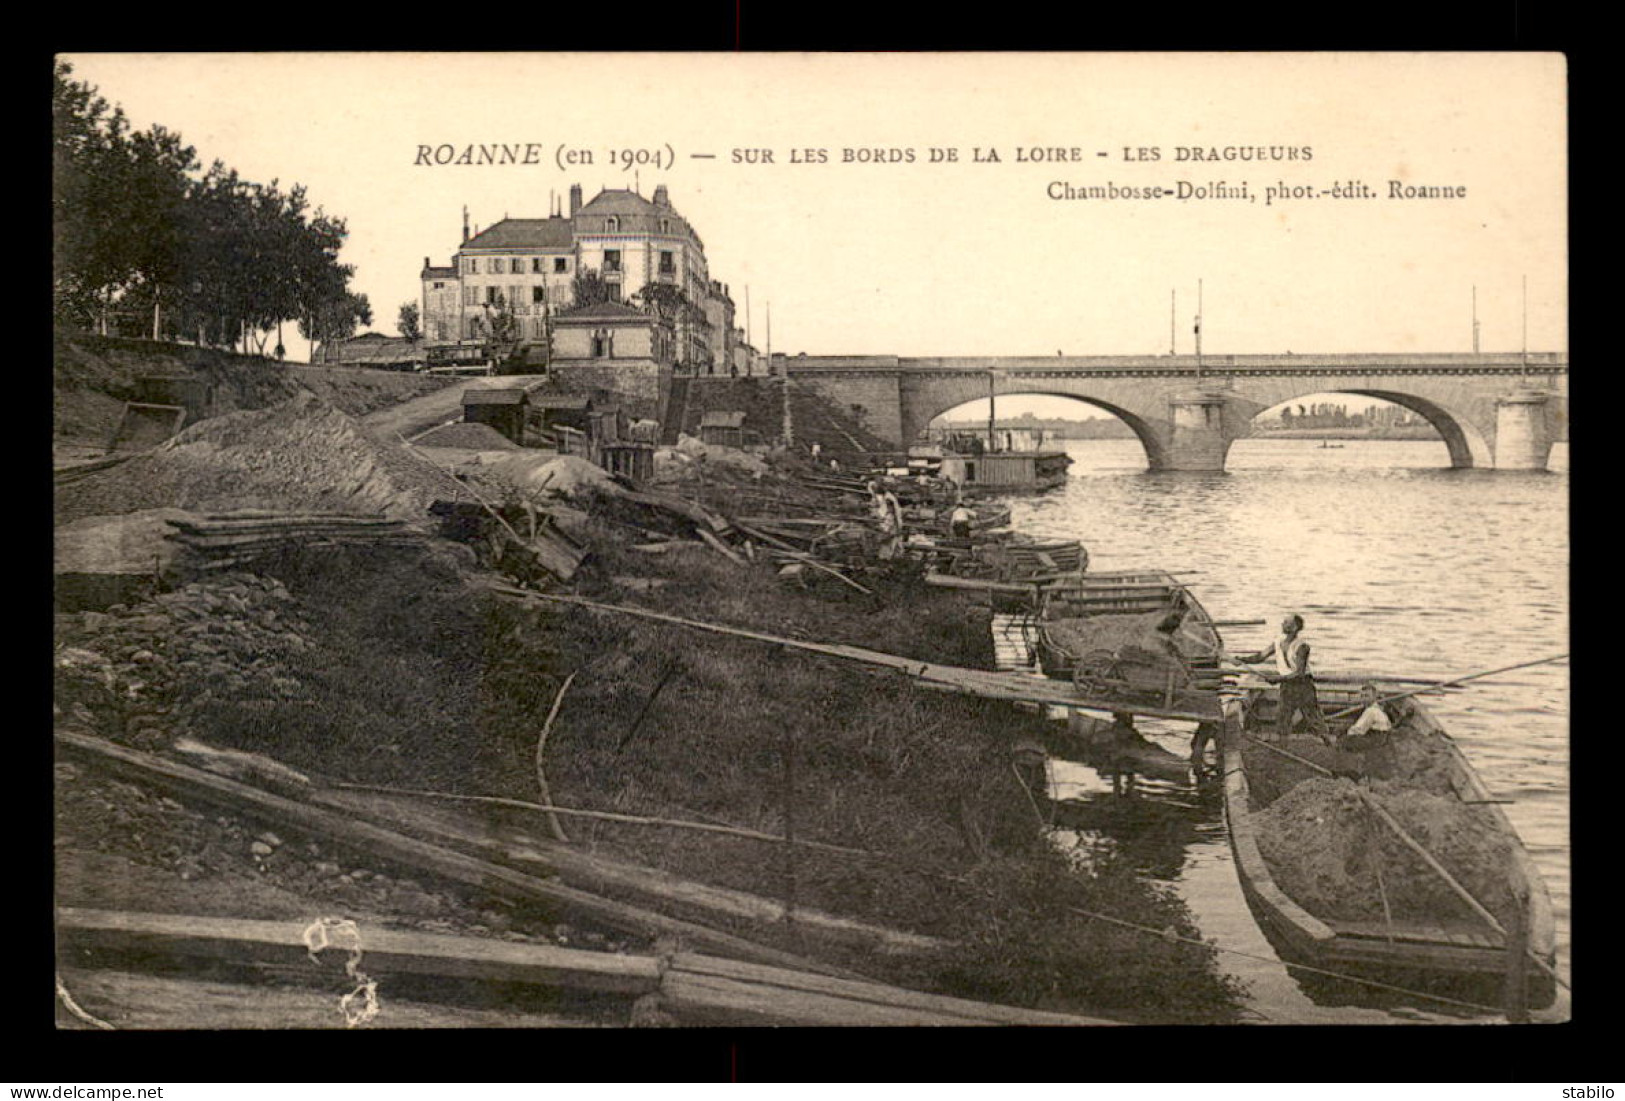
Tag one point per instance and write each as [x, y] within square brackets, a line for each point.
[1136, 593]
[1404, 953]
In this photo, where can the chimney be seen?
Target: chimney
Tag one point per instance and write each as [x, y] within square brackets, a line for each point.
[425, 263]
[465, 224]
[661, 198]
[575, 199]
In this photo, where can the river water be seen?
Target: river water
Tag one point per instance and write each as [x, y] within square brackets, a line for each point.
[1397, 564]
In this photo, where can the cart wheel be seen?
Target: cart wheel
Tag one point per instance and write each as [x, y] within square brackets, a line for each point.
[1096, 671]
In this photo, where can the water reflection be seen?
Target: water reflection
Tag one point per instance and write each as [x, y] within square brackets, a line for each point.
[1398, 564]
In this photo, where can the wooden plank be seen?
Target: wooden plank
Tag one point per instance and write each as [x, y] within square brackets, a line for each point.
[370, 842]
[130, 937]
[602, 874]
[989, 684]
[873, 993]
[138, 1002]
[708, 999]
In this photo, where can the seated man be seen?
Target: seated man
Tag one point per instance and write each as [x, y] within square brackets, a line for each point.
[1372, 727]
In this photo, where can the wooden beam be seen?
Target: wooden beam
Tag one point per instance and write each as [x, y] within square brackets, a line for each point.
[600, 874]
[725, 991]
[704, 989]
[374, 844]
[127, 938]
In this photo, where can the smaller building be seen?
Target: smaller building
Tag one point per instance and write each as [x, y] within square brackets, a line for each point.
[723, 428]
[388, 353]
[549, 411]
[504, 410]
[614, 348]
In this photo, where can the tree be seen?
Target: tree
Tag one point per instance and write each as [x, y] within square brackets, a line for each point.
[138, 235]
[502, 334]
[336, 319]
[589, 289]
[665, 300]
[408, 323]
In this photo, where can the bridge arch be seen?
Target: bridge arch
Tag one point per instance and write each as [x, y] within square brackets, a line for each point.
[1153, 441]
[1464, 439]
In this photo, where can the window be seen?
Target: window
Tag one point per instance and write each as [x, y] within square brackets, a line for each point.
[561, 265]
[666, 265]
[517, 267]
[603, 344]
[495, 266]
[535, 264]
[665, 225]
[472, 266]
[471, 296]
[612, 259]
[438, 286]
[538, 294]
[614, 291]
[612, 224]
[492, 294]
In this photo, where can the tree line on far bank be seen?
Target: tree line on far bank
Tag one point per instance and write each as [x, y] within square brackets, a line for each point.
[146, 244]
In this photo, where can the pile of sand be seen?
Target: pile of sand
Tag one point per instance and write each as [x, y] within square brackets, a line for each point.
[298, 455]
[690, 450]
[1323, 845]
[469, 437]
[1128, 636]
[566, 476]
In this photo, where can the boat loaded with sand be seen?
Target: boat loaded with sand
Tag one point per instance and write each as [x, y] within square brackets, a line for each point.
[1137, 642]
[1390, 860]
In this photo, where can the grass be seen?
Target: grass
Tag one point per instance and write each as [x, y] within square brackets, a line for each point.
[421, 682]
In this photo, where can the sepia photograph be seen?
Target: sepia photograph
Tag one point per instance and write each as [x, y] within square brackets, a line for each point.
[694, 541]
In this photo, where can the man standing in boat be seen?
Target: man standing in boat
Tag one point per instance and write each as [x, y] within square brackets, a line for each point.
[1295, 678]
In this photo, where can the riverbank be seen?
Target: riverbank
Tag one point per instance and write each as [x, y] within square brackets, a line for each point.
[397, 667]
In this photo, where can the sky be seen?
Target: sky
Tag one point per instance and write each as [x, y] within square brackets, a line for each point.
[965, 257]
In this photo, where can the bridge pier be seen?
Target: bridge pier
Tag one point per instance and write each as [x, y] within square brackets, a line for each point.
[1523, 436]
[1198, 441]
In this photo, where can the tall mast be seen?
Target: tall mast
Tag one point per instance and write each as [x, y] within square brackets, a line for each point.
[1523, 368]
[1475, 319]
[1173, 321]
[992, 444]
[1198, 329]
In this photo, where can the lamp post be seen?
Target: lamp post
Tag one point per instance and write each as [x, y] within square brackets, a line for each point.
[992, 376]
[1198, 330]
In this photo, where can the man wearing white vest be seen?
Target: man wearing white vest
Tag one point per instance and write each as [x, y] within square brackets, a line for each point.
[1296, 679]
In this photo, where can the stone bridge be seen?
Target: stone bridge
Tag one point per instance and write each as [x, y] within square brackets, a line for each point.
[1501, 410]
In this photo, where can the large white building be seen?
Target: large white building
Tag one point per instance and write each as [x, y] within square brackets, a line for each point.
[530, 264]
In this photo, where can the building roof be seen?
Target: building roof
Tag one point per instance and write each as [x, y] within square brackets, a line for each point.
[717, 418]
[624, 200]
[560, 401]
[637, 214]
[494, 397]
[439, 273]
[603, 311]
[524, 233]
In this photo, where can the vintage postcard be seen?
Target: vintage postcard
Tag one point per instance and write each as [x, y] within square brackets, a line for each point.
[631, 540]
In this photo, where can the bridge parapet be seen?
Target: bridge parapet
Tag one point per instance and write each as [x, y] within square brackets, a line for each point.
[1443, 363]
[1188, 421]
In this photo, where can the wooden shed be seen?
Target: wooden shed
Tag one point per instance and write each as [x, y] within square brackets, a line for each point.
[549, 411]
[726, 429]
[503, 410]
